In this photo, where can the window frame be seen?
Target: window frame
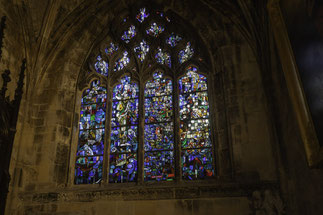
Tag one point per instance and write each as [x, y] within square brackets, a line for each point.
[140, 75]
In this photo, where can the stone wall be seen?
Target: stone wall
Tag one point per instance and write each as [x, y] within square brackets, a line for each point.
[56, 37]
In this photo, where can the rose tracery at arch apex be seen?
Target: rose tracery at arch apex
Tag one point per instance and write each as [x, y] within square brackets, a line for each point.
[147, 44]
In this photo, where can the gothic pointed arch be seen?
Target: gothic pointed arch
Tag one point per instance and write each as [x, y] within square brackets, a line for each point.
[154, 123]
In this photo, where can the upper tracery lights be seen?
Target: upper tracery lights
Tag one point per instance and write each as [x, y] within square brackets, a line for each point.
[122, 62]
[186, 53]
[146, 44]
[130, 33]
[142, 15]
[142, 50]
[101, 66]
[111, 49]
[155, 30]
[163, 57]
[173, 40]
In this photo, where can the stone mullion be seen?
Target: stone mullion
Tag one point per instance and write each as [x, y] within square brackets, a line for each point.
[212, 124]
[106, 157]
[177, 144]
[141, 126]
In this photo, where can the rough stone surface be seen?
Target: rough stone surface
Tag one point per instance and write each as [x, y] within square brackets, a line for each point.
[256, 127]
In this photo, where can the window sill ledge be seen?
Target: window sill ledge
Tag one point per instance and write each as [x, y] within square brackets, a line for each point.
[115, 192]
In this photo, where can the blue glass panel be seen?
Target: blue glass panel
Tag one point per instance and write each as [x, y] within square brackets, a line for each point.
[195, 127]
[192, 81]
[124, 139]
[92, 116]
[142, 15]
[95, 94]
[130, 33]
[159, 86]
[125, 112]
[155, 30]
[101, 66]
[163, 58]
[195, 133]
[158, 109]
[125, 90]
[142, 50]
[159, 166]
[159, 136]
[173, 40]
[91, 142]
[197, 164]
[122, 62]
[88, 170]
[186, 53]
[111, 49]
[123, 168]
[194, 105]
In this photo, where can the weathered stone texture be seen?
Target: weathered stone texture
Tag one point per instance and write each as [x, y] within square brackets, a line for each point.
[259, 146]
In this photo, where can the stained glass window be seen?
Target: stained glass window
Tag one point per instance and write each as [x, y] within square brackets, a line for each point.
[142, 50]
[159, 135]
[122, 62]
[111, 49]
[89, 155]
[130, 33]
[163, 57]
[101, 66]
[124, 132]
[173, 40]
[195, 138]
[142, 15]
[155, 30]
[186, 54]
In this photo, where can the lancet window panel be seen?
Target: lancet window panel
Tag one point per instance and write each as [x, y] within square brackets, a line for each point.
[159, 162]
[90, 150]
[195, 134]
[124, 132]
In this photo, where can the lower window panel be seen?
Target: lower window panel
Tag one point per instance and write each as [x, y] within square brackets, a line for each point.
[123, 168]
[159, 166]
[197, 163]
[88, 170]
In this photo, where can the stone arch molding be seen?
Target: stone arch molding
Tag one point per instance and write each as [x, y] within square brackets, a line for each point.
[141, 69]
[87, 26]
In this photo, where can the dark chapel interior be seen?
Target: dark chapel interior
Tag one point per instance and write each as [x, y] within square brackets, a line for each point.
[161, 107]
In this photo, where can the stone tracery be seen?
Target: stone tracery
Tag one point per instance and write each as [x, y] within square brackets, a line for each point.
[138, 45]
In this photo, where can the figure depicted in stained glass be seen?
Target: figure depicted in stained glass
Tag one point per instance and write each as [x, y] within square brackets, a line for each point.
[163, 57]
[155, 30]
[101, 66]
[123, 168]
[195, 138]
[142, 15]
[89, 155]
[124, 132]
[122, 62]
[173, 40]
[159, 137]
[142, 50]
[186, 54]
[130, 33]
[111, 49]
